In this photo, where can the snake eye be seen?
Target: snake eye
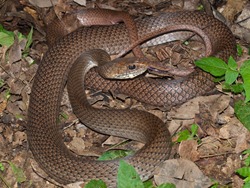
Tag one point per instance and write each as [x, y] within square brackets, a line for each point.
[131, 67]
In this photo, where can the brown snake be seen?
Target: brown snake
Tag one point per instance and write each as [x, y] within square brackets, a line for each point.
[89, 17]
[44, 135]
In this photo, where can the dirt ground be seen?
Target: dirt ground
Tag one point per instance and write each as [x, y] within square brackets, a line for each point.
[211, 156]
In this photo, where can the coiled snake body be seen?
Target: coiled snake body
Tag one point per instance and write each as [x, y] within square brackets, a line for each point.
[44, 135]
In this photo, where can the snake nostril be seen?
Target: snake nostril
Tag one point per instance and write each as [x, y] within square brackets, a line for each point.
[131, 67]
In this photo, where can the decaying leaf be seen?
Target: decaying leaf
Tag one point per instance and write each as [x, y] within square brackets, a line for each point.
[182, 173]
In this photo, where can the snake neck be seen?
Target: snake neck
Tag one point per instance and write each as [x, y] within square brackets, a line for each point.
[78, 71]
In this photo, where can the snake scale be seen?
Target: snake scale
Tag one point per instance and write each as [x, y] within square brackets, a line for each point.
[44, 135]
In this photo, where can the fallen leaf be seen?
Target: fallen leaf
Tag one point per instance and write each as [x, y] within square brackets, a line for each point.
[183, 173]
[188, 150]
[44, 3]
[77, 145]
[3, 105]
[233, 129]
[242, 142]
[13, 108]
[190, 108]
[19, 137]
[232, 8]
[205, 120]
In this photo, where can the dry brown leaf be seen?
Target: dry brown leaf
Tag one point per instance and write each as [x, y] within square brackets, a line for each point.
[212, 146]
[8, 134]
[22, 106]
[15, 52]
[77, 145]
[232, 8]
[153, 2]
[75, 185]
[70, 132]
[191, 5]
[237, 182]
[3, 105]
[233, 129]
[81, 2]
[183, 173]
[18, 162]
[219, 105]
[190, 108]
[243, 18]
[19, 137]
[3, 149]
[242, 28]
[16, 86]
[13, 108]
[242, 142]
[205, 120]
[186, 5]
[230, 165]
[81, 130]
[226, 116]
[112, 140]
[188, 150]
[44, 3]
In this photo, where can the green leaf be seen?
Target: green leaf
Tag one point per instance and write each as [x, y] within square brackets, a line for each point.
[114, 154]
[247, 161]
[245, 73]
[166, 185]
[183, 135]
[235, 88]
[20, 36]
[194, 129]
[28, 43]
[96, 184]
[19, 116]
[213, 65]
[246, 151]
[244, 171]
[148, 184]
[232, 64]
[247, 179]
[231, 76]
[64, 115]
[6, 39]
[1, 167]
[128, 177]
[18, 172]
[29, 39]
[219, 79]
[200, 7]
[239, 50]
[215, 184]
[242, 111]
[231, 73]
[246, 185]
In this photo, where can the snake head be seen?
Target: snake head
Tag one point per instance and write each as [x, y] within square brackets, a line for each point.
[123, 68]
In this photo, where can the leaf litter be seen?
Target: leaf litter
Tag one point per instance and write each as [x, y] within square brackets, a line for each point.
[214, 154]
